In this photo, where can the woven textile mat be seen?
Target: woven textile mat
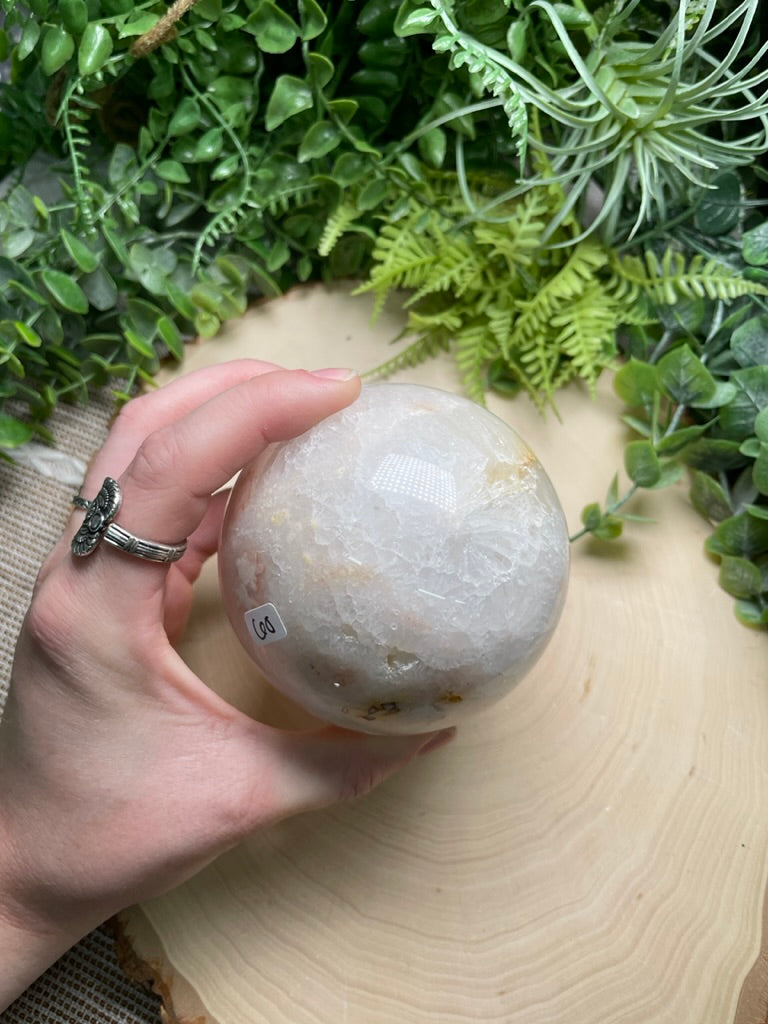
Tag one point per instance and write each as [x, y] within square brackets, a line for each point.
[87, 985]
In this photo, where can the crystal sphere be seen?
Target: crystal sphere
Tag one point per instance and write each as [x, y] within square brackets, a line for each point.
[399, 565]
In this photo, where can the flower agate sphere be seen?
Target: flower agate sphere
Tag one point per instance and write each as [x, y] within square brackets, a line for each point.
[399, 565]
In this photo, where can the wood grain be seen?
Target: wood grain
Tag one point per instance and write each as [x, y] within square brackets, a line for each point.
[590, 851]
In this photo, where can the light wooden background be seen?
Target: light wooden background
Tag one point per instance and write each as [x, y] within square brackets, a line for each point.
[590, 851]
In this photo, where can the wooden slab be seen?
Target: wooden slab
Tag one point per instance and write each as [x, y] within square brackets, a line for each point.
[590, 851]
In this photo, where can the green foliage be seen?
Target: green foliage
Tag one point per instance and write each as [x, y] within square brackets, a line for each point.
[529, 315]
[549, 187]
[698, 395]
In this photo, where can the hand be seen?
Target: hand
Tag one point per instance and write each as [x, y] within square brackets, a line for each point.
[121, 772]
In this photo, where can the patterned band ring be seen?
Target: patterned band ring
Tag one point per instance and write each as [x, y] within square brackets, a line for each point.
[98, 526]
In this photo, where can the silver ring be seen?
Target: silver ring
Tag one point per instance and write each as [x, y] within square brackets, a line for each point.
[98, 526]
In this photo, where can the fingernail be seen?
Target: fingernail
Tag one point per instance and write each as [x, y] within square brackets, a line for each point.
[440, 740]
[335, 373]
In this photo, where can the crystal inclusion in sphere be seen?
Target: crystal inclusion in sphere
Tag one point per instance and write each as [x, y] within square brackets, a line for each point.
[398, 566]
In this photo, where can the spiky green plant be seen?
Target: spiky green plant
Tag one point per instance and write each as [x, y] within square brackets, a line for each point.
[645, 115]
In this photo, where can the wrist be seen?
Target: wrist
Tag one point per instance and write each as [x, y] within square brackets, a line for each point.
[30, 939]
[25, 953]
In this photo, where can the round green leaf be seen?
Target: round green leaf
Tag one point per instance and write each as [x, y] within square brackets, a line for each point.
[754, 245]
[375, 192]
[411, 19]
[319, 71]
[610, 528]
[28, 334]
[432, 147]
[740, 577]
[28, 39]
[737, 419]
[186, 117]
[65, 291]
[377, 17]
[749, 342]
[720, 208]
[742, 534]
[708, 497]
[350, 168]
[683, 376]
[209, 146]
[83, 257]
[321, 138]
[313, 19]
[591, 516]
[139, 344]
[95, 49]
[58, 47]
[173, 171]
[100, 288]
[207, 325]
[169, 332]
[275, 31]
[642, 463]
[13, 432]
[290, 96]
[74, 15]
[750, 613]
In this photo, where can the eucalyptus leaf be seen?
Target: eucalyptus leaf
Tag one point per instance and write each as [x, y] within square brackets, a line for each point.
[83, 256]
[743, 535]
[642, 463]
[749, 342]
[636, 383]
[740, 577]
[683, 376]
[754, 245]
[719, 210]
[738, 417]
[65, 290]
[708, 497]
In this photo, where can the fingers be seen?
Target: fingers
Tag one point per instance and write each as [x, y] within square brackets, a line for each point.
[167, 486]
[157, 409]
[314, 770]
[181, 444]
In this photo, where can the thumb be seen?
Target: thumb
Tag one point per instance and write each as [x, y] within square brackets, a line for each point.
[314, 769]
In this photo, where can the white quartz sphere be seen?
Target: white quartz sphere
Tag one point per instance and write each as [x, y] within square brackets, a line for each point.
[399, 565]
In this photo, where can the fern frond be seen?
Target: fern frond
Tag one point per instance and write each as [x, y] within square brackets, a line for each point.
[562, 288]
[425, 347]
[338, 222]
[479, 61]
[586, 333]
[472, 354]
[500, 317]
[71, 116]
[226, 222]
[519, 238]
[460, 268]
[401, 258]
[668, 280]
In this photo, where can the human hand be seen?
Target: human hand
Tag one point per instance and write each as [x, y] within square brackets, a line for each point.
[121, 772]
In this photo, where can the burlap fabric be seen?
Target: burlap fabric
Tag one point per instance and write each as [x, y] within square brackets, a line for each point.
[87, 985]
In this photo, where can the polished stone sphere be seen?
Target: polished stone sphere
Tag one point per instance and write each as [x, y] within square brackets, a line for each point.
[399, 565]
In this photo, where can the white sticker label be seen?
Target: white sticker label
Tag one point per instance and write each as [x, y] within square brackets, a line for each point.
[265, 625]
